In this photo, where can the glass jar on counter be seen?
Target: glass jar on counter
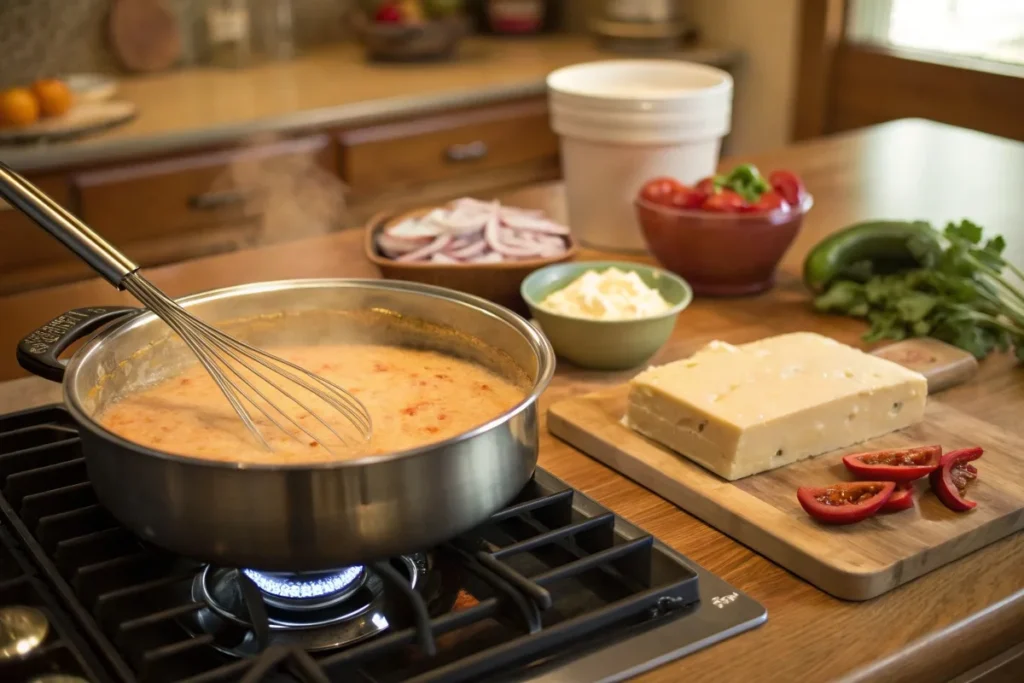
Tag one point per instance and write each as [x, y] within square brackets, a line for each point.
[229, 32]
[275, 28]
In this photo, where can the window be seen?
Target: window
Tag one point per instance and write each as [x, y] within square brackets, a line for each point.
[991, 30]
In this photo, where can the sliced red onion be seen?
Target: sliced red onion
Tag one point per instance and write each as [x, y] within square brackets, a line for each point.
[535, 224]
[414, 228]
[458, 224]
[437, 245]
[469, 251]
[489, 257]
[550, 241]
[393, 247]
[474, 231]
[492, 233]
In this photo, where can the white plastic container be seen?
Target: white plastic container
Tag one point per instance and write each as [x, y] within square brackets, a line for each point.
[623, 122]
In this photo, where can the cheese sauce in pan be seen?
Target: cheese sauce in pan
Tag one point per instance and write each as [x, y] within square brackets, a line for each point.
[414, 398]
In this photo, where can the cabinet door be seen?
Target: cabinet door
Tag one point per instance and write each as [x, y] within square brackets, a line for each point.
[434, 149]
[178, 208]
[30, 257]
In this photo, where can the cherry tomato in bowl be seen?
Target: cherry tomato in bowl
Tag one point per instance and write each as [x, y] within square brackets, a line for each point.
[706, 186]
[725, 201]
[661, 190]
[687, 198]
[788, 186]
[768, 202]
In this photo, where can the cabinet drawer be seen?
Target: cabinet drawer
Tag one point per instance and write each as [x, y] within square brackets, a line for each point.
[200, 194]
[28, 244]
[28, 247]
[427, 150]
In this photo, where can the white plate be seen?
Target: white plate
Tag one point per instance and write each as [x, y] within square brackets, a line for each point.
[91, 87]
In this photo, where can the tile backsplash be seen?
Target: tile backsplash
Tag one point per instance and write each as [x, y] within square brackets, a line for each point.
[51, 37]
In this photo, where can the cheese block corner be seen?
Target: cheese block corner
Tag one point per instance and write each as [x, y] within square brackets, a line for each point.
[740, 410]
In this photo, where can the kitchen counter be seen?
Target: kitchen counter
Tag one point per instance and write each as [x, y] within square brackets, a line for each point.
[331, 87]
[932, 629]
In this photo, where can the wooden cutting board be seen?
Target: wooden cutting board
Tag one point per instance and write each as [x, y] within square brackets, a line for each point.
[144, 34]
[855, 562]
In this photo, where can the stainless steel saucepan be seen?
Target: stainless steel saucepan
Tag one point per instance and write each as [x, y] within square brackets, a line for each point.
[285, 517]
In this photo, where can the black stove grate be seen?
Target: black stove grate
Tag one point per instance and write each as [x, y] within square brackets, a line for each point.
[545, 575]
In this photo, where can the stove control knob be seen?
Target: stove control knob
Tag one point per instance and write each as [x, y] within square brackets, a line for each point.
[22, 630]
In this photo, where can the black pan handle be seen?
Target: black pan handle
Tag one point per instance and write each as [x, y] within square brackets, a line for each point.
[38, 352]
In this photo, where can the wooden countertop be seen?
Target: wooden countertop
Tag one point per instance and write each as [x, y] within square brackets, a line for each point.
[932, 629]
[331, 87]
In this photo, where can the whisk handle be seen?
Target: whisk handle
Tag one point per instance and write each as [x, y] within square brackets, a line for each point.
[62, 224]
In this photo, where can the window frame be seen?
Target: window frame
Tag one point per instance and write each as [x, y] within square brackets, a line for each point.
[843, 84]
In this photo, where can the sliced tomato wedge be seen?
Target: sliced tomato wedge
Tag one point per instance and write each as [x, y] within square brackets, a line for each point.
[901, 499]
[954, 474]
[846, 502]
[896, 464]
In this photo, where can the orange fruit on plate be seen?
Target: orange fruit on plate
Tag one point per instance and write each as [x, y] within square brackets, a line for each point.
[54, 96]
[18, 107]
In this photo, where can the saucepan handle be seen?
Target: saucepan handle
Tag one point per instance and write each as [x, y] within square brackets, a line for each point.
[39, 351]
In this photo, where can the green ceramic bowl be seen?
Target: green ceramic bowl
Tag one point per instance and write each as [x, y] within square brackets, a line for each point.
[605, 344]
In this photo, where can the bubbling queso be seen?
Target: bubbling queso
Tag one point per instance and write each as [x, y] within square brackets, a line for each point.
[414, 397]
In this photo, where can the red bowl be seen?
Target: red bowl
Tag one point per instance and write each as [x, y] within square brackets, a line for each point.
[720, 254]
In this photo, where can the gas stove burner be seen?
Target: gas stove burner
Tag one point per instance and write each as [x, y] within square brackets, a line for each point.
[308, 590]
[314, 610]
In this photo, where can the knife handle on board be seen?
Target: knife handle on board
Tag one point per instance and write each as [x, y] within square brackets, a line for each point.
[944, 366]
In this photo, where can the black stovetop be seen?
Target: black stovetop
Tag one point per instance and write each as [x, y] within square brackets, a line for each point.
[553, 588]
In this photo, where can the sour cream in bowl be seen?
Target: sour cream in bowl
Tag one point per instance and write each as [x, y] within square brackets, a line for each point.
[605, 315]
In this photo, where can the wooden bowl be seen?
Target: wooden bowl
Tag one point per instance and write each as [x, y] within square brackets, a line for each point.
[497, 282]
[430, 40]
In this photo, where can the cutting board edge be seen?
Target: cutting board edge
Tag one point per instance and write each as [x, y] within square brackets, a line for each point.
[847, 585]
[837, 581]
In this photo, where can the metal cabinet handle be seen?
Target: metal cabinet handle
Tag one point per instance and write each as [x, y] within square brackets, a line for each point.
[469, 151]
[211, 201]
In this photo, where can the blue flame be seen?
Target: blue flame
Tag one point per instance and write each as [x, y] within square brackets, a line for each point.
[299, 587]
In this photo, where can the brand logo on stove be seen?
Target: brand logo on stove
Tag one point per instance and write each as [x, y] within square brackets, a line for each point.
[723, 600]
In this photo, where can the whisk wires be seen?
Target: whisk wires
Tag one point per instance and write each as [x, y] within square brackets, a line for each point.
[237, 368]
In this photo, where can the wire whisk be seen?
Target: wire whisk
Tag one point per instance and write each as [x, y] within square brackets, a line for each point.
[253, 381]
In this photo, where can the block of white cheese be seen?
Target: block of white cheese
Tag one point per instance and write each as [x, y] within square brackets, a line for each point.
[739, 410]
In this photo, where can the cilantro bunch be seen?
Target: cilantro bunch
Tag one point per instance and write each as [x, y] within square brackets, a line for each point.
[965, 294]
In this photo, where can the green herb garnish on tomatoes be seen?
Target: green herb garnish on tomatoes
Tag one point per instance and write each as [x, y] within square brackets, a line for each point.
[746, 181]
[952, 285]
[741, 190]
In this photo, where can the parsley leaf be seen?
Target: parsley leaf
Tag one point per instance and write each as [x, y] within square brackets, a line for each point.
[961, 295]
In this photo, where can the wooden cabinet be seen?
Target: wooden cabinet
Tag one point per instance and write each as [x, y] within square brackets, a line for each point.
[435, 158]
[413, 153]
[30, 257]
[173, 208]
[184, 207]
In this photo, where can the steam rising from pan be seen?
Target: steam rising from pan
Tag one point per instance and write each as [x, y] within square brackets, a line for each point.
[287, 186]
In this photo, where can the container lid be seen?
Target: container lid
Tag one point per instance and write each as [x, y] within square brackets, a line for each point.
[638, 83]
